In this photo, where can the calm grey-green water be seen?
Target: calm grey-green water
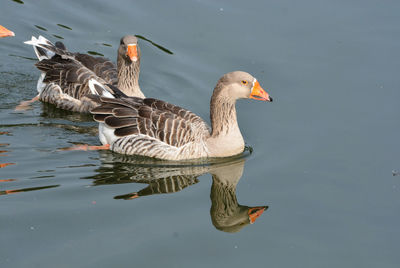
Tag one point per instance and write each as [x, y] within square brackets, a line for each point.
[325, 152]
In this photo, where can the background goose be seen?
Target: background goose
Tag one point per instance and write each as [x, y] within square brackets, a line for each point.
[65, 75]
[154, 128]
[4, 32]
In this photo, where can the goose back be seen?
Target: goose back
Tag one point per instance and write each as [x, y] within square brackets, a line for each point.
[101, 66]
[65, 83]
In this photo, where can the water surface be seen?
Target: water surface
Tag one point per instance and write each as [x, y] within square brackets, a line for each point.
[325, 151]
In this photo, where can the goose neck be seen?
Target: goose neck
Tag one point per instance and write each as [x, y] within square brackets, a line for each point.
[223, 116]
[128, 77]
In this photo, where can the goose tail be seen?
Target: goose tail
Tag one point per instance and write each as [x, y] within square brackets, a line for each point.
[44, 49]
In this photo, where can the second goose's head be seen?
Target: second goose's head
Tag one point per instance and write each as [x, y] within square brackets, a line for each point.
[129, 49]
[240, 85]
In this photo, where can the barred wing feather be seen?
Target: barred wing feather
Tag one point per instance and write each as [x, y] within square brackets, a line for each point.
[157, 119]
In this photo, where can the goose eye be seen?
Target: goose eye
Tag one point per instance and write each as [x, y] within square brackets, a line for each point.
[244, 82]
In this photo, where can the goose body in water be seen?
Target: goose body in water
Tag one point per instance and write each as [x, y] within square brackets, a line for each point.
[65, 76]
[155, 128]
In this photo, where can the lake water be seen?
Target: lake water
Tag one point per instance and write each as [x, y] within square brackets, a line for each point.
[326, 152]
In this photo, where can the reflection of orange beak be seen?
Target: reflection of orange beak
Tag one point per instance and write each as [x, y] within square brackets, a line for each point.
[133, 196]
[256, 212]
[129, 196]
[132, 53]
[258, 93]
[4, 32]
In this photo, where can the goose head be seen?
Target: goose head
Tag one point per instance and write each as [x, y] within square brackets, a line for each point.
[241, 85]
[4, 32]
[129, 49]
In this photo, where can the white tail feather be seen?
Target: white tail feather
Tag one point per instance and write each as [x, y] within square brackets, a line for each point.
[35, 42]
[100, 87]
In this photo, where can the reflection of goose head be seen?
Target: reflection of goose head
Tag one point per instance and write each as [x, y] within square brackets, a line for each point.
[226, 213]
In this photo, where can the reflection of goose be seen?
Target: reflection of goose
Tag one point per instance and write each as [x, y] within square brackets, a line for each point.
[4, 32]
[171, 178]
[167, 185]
[226, 214]
[65, 76]
[158, 129]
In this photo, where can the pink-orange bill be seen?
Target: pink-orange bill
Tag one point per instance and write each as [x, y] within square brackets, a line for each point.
[4, 32]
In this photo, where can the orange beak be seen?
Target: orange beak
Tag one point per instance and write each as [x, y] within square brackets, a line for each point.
[132, 53]
[255, 212]
[258, 93]
[4, 32]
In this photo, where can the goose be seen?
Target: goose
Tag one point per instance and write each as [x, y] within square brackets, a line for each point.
[65, 75]
[155, 128]
[4, 32]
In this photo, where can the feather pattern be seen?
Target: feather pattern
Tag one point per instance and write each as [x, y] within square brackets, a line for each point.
[155, 128]
[143, 126]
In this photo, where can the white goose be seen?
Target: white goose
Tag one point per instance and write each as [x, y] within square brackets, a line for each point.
[154, 128]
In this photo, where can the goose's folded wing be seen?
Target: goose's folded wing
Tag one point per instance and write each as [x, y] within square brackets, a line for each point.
[69, 74]
[102, 67]
[129, 116]
[195, 120]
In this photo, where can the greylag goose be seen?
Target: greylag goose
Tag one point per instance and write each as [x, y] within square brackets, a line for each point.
[65, 76]
[154, 128]
[4, 32]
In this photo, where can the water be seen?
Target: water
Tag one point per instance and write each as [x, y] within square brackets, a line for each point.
[325, 151]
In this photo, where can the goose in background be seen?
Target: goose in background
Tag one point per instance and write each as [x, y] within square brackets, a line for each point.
[155, 128]
[64, 79]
